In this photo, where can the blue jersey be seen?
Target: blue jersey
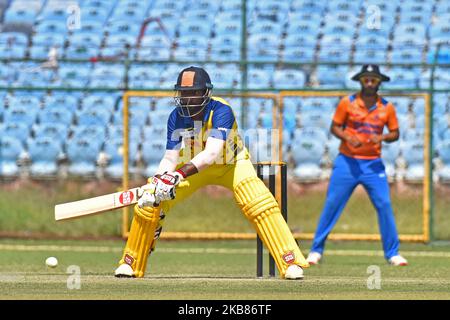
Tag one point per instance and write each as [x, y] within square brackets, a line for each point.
[218, 122]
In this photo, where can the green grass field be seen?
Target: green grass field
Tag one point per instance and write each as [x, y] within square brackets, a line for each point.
[27, 207]
[216, 270]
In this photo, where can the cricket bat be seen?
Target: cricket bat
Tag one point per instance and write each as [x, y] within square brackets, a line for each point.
[96, 205]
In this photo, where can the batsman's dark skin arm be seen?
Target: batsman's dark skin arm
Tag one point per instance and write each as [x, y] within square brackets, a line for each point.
[338, 131]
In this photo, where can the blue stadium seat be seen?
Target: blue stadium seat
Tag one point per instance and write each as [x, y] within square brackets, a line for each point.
[338, 28]
[12, 52]
[11, 149]
[390, 153]
[158, 41]
[91, 132]
[332, 147]
[444, 155]
[94, 101]
[122, 27]
[316, 119]
[92, 27]
[92, 40]
[90, 13]
[194, 29]
[365, 56]
[116, 132]
[132, 14]
[81, 51]
[222, 79]
[55, 131]
[258, 79]
[300, 40]
[331, 75]
[82, 155]
[401, 104]
[374, 42]
[61, 102]
[44, 153]
[401, 79]
[307, 155]
[152, 152]
[114, 152]
[289, 79]
[20, 15]
[298, 54]
[20, 115]
[311, 133]
[97, 117]
[258, 144]
[406, 56]
[266, 28]
[413, 154]
[13, 38]
[42, 51]
[308, 6]
[350, 7]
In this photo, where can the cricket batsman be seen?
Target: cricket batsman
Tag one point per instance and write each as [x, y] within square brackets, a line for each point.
[204, 148]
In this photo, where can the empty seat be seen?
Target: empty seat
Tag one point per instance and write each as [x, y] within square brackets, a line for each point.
[307, 155]
[444, 155]
[152, 152]
[10, 150]
[413, 155]
[114, 153]
[310, 133]
[93, 117]
[55, 131]
[44, 152]
[289, 79]
[390, 153]
[82, 155]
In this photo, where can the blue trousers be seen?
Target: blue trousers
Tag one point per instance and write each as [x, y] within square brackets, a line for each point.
[346, 175]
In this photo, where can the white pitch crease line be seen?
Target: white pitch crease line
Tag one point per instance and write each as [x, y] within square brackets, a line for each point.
[106, 249]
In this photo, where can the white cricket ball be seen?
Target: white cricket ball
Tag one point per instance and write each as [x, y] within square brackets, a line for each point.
[51, 262]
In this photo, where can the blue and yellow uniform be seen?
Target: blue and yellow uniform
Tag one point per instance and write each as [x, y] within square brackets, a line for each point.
[233, 170]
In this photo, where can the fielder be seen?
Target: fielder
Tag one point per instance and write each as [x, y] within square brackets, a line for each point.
[204, 148]
[359, 121]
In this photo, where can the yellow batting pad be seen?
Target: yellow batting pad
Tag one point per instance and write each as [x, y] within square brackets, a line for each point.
[141, 238]
[262, 210]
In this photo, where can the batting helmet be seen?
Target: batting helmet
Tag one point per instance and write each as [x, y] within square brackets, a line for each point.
[192, 91]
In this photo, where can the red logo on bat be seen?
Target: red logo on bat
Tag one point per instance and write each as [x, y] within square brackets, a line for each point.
[126, 197]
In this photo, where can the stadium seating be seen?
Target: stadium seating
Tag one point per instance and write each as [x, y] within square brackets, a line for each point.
[444, 155]
[82, 156]
[413, 154]
[11, 148]
[44, 152]
[299, 31]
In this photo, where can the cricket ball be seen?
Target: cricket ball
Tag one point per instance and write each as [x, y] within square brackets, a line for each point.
[51, 262]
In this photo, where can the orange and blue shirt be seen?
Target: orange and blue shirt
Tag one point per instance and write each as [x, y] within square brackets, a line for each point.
[363, 122]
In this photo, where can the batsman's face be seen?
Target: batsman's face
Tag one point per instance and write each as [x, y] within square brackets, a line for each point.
[192, 98]
[370, 85]
[192, 102]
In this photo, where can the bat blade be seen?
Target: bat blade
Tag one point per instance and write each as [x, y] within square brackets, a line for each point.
[77, 209]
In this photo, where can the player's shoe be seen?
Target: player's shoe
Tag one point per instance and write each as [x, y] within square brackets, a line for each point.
[313, 258]
[294, 272]
[398, 260]
[124, 271]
